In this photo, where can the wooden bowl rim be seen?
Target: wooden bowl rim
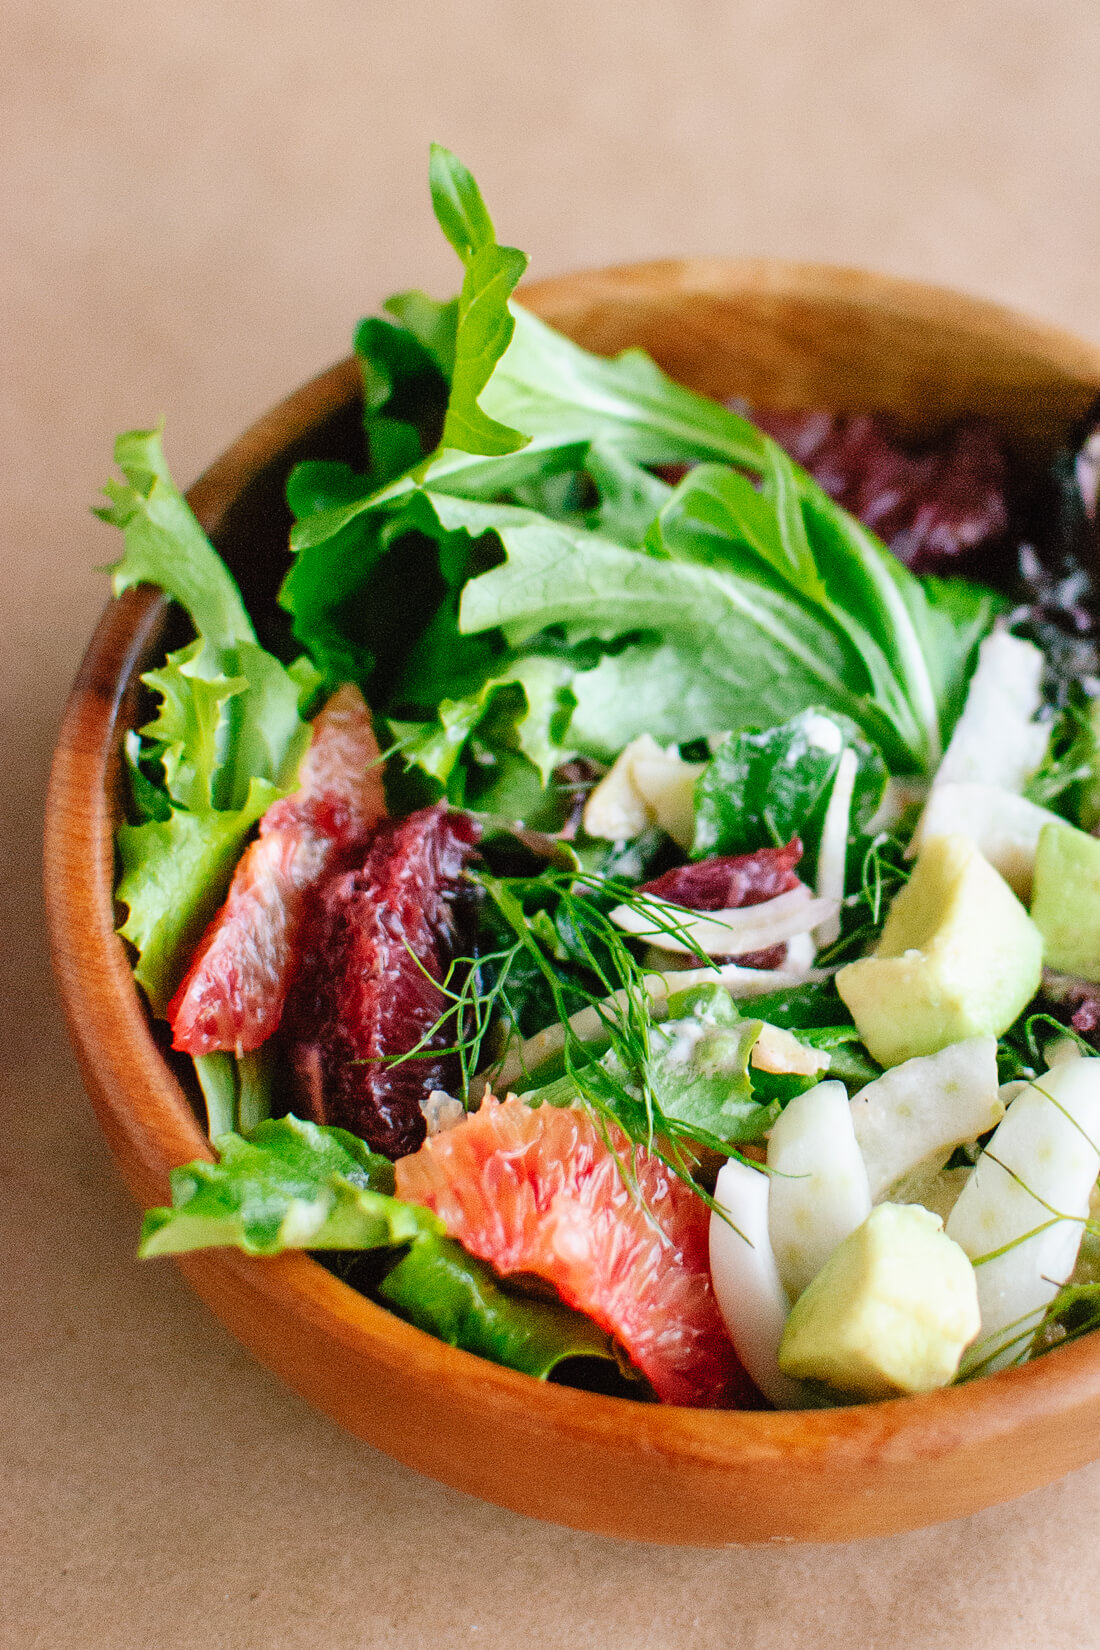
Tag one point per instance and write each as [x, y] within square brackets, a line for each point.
[154, 1120]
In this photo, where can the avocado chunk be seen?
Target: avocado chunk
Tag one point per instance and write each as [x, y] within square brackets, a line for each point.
[958, 957]
[891, 1311]
[1066, 903]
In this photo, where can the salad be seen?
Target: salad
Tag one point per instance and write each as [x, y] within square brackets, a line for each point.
[636, 912]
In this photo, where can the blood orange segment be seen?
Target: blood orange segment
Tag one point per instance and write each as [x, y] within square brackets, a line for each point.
[732, 880]
[376, 943]
[232, 995]
[538, 1190]
[723, 883]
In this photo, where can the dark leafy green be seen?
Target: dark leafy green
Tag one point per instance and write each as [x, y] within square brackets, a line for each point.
[763, 788]
[440, 1288]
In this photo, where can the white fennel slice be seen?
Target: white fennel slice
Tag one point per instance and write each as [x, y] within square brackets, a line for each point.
[996, 739]
[832, 855]
[819, 1190]
[750, 1296]
[724, 933]
[1020, 1216]
[915, 1114]
[646, 785]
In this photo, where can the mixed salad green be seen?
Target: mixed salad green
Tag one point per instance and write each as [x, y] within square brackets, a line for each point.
[754, 817]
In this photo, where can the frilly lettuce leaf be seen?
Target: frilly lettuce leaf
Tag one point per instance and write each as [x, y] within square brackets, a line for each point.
[228, 736]
[189, 726]
[166, 546]
[289, 1185]
[525, 707]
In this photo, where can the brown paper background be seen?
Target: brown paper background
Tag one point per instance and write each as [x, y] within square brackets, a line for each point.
[200, 197]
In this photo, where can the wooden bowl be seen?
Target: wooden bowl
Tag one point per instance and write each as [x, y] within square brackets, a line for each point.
[782, 335]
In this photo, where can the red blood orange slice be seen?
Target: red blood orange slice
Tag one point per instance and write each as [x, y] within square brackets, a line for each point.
[375, 945]
[233, 993]
[538, 1190]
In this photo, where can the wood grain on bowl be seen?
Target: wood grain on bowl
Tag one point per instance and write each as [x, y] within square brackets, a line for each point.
[784, 335]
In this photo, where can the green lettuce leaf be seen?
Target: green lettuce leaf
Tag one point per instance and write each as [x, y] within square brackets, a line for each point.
[190, 727]
[148, 799]
[525, 707]
[289, 1185]
[228, 736]
[165, 544]
[440, 1288]
[709, 1090]
[761, 788]
[747, 646]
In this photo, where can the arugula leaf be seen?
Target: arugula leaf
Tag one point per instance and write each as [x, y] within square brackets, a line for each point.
[760, 789]
[716, 512]
[552, 388]
[456, 201]
[452, 1295]
[630, 496]
[485, 322]
[485, 325]
[825, 613]
[165, 544]
[289, 1184]
[748, 646]
[899, 626]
